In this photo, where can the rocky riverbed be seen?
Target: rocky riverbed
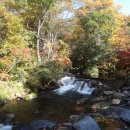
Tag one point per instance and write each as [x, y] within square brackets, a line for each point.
[108, 108]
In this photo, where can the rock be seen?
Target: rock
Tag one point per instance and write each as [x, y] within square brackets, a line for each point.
[116, 101]
[107, 93]
[101, 98]
[81, 101]
[67, 126]
[101, 105]
[118, 95]
[128, 103]
[125, 116]
[40, 124]
[126, 93]
[86, 123]
[126, 88]
[74, 118]
[118, 110]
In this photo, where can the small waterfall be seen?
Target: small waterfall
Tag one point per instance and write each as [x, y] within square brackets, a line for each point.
[73, 84]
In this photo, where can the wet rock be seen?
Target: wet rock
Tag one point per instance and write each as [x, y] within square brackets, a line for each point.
[118, 95]
[116, 101]
[101, 98]
[101, 105]
[40, 124]
[74, 118]
[107, 93]
[118, 110]
[128, 103]
[126, 93]
[81, 101]
[126, 88]
[95, 115]
[86, 123]
[66, 126]
[125, 116]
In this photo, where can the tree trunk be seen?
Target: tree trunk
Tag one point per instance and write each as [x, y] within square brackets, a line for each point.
[38, 42]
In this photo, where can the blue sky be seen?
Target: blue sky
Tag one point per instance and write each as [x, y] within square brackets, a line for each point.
[126, 6]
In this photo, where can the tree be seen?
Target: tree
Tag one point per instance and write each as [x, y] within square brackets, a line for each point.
[97, 23]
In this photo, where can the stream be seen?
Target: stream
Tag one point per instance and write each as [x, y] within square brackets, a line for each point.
[59, 104]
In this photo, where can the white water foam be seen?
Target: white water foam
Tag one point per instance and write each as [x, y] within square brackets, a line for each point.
[72, 84]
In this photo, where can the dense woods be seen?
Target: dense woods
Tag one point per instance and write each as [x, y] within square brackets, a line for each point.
[40, 40]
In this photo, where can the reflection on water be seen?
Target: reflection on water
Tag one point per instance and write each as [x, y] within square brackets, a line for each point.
[53, 107]
[47, 106]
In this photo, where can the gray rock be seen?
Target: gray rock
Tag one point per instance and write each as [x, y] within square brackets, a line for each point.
[125, 116]
[107, 93]
[118, 110]
[101, 105]
[87, 123]
[36, 125]
[81, 101]
[116, 101]
[74, 118]
[126, 93]
[118, 95]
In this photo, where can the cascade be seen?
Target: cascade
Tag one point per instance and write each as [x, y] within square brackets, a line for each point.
[70, 83]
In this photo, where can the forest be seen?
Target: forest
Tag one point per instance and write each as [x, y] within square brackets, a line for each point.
[42, 41]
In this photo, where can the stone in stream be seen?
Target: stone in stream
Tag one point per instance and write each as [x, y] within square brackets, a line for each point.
[116, 101]
[86, 123]
[81, 101]
[36, 125]
[118, 95]
[107, 93]
[74, 118]
[125, 116]
[118, 110]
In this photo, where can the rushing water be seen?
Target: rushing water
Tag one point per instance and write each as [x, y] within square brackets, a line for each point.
[72, 84]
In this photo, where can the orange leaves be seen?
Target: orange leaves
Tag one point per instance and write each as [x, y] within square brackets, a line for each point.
[24, 52]
[64, 62]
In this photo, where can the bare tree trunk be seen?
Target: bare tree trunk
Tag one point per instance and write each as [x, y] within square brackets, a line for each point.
[38, 42]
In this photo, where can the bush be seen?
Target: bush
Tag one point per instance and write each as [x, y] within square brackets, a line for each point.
[44, 76]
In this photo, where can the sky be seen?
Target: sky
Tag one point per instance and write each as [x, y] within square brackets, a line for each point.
[126, 6]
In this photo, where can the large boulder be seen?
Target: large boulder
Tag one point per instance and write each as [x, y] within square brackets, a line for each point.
[125, 116]
[86, 123]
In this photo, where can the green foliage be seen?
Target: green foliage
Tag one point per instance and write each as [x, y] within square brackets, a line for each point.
[44, 76]
[94, 45]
